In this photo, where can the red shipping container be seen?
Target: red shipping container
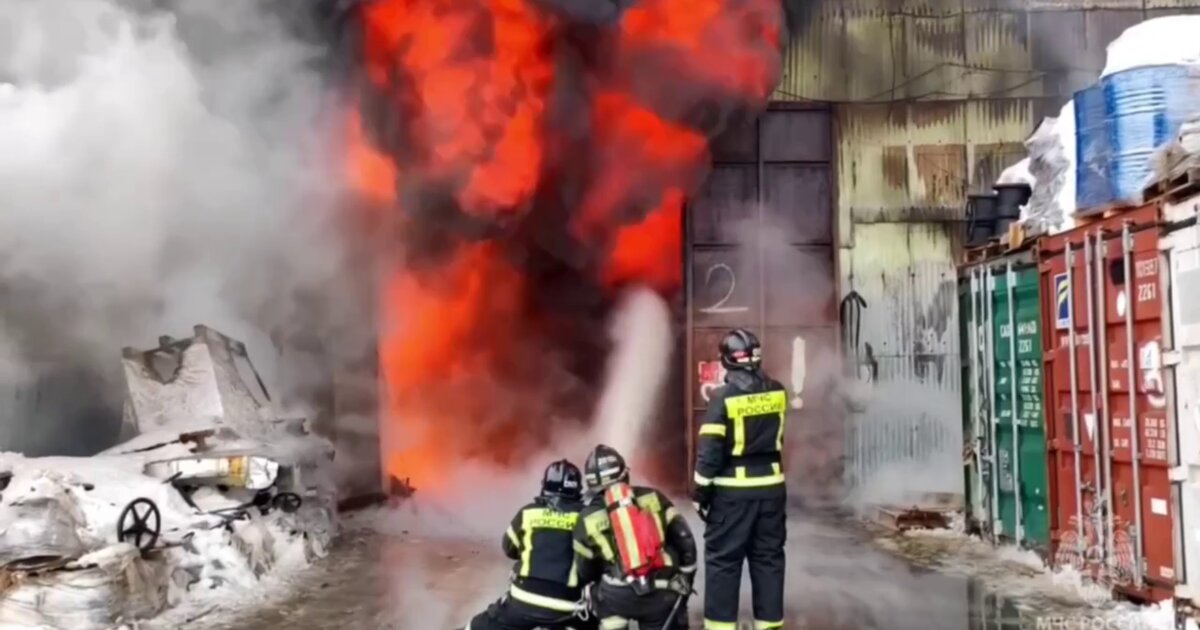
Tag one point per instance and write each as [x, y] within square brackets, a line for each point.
[1111, 513]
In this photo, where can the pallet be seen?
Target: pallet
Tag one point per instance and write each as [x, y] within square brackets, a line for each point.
[1183, 185]
[1102, 215]
[1017, 239]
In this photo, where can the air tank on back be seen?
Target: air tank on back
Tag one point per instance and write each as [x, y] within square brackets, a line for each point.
[1143, 109]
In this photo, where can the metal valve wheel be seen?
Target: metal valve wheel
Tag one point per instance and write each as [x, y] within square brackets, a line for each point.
[140, 524]
[287, 502]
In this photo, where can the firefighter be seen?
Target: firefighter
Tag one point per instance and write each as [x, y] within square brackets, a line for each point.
[545, 592]
[633, 543]
[740, 489]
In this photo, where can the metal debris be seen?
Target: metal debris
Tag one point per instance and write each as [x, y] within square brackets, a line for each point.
[914, 517]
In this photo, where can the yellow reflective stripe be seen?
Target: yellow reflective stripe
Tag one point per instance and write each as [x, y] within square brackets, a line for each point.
[512, 537]
[767, 625]
[716, 430]
[738, 408]
[709, 624]
[614, 623]
[573, 579]
[775, 468]
[650, 503]
[739, 472]
[739, 435]
[749, 482]
[779, 434]
[541, 601]
[594, 525]
[701, 480]
[671, 514]
[583, 550]
[527, 518]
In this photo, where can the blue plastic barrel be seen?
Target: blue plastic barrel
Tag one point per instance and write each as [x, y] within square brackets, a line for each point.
[1091, 149]
[1143, 109]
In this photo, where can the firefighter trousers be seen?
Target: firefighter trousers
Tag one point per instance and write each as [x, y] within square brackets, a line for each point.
[616, 606]
[510, 614]
[737, 531]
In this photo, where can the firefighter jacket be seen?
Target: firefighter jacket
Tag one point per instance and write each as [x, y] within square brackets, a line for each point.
[739, 450]
[596, 546]
[540, 540]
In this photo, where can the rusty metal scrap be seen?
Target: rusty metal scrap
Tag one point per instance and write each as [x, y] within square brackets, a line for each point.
[914, 517]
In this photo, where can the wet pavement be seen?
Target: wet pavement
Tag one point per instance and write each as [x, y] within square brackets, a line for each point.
[837, 579]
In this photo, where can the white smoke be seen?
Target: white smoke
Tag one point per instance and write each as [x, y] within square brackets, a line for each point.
[161, 168]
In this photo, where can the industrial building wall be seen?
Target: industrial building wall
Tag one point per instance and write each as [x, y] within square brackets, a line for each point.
[931, 100]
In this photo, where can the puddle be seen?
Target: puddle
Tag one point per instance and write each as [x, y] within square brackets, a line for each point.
[836, 581]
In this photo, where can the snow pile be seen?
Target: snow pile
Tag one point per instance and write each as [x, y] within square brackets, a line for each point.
[1018, 173]
[1166, 40]
[1020, 574]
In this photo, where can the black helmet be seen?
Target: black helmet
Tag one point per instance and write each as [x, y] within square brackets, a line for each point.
[562, 480]
[605, 466]
[740, 350]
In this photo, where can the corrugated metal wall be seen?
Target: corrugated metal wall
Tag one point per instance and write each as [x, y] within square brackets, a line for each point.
[931, 100]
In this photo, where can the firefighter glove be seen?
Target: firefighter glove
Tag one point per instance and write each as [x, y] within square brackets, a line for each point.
[701, 499]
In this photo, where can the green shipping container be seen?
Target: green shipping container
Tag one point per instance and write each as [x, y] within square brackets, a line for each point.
[996, 503]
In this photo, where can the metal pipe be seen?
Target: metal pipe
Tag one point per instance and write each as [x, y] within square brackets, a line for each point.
[1105, 417]
[1015, 402]
[1130, 299]
[1093, 369]
[990, 362]
[1076, 445]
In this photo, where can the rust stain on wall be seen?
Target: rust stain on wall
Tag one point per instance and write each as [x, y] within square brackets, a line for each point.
[941, 174]
[895, 167]
[887, 50]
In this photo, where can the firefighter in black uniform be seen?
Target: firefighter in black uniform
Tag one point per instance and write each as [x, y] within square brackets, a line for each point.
[617, 599]
[740, 488]
[545, 592]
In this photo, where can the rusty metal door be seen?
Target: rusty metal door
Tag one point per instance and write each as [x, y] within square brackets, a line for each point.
[760, 255]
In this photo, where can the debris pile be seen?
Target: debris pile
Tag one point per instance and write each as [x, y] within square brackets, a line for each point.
[214, 491]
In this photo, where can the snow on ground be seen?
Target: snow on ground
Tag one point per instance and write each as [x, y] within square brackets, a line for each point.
[65, 511]
[1020, 575]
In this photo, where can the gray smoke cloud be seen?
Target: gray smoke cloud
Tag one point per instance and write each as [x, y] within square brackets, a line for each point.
[163, 164]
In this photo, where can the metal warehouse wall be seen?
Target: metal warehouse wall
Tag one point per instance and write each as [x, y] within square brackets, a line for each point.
[931, 100]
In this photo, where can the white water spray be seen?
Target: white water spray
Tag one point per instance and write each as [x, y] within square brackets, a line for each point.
[637, 371]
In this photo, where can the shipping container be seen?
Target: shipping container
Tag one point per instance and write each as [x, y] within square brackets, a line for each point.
[1006, 481]
[1110, 423]
[1182, 245]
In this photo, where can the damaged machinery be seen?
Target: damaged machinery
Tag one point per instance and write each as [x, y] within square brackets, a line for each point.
[221, 484]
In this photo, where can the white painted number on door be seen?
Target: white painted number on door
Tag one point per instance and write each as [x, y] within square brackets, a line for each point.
[720, 305]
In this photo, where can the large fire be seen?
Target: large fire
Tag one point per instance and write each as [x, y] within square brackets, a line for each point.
[533, 165]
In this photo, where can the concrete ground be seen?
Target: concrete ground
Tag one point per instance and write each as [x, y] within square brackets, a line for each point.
[837, 579]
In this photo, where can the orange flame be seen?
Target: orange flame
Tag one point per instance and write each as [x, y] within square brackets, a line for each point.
[470, 88]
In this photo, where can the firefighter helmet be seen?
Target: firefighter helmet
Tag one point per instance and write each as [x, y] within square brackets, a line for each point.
[605, 466]
[740, 350]
[562, 480]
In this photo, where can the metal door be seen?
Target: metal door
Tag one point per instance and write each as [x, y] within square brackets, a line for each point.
[759, 255]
